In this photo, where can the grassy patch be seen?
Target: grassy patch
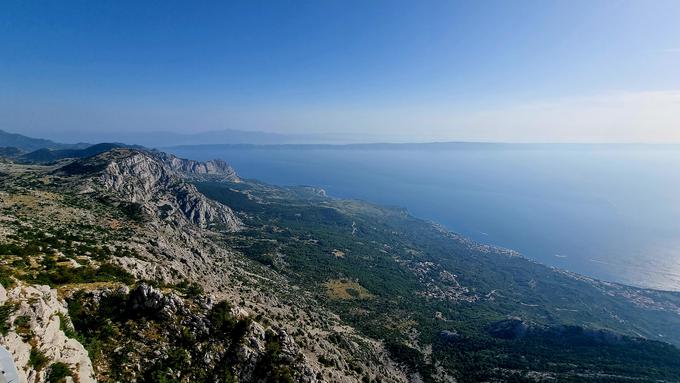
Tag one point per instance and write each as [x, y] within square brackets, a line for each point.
[346, 290]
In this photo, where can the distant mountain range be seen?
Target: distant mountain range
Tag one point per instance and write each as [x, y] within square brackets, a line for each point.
[40, 150]
[157, 139]
[25, 149]
[49, 155]
[429, 146]
[28, 144]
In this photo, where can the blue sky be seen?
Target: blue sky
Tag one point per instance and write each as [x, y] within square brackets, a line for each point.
[384, 70]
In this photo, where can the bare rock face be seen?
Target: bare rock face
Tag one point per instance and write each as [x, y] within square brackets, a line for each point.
[215, 170]
[254, 350]
[257, 341]
[204, 212]
[148, 299]
[136, 176]
[157, 183]
[36, 320]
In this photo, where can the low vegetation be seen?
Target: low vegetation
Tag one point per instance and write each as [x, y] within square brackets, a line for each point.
[37, 359]
[5, 311]
[346, 290]
[439, 304]
[386, 285]
[58, 372]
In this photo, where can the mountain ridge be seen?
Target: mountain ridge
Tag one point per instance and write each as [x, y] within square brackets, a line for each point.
[29, 144]
[192, 266]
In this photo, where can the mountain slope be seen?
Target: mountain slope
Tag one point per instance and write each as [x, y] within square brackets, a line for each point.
[176, 270]
[10, 152]
[435, 297]
[29, 144]
[160, 139]
[152, 294]
[46, 155]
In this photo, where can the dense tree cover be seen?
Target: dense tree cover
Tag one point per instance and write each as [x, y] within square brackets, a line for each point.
[297, 233]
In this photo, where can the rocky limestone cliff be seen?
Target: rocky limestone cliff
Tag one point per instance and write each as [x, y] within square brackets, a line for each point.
[36, 317]
[214, 170]
[225, 343]
[156, 182]
[290, 333]
[135, 175]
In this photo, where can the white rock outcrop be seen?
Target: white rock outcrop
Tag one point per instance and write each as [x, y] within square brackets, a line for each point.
[157, 183]
[43, 308]
[217, 170]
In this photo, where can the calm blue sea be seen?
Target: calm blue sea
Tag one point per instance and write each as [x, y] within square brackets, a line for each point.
[611, 212]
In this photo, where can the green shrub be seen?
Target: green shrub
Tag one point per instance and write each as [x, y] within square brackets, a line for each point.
[190, 289]
[6, 279]
[37, 359]
[221, 319]
[132, 211]
[22, 324]
[67, 327]
[5, 311]
[61, 275]
[58, 372]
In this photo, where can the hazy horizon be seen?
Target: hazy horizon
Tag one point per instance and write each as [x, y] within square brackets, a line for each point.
[165, 139]
[602, 212]
[321, 191]
[575, 71]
